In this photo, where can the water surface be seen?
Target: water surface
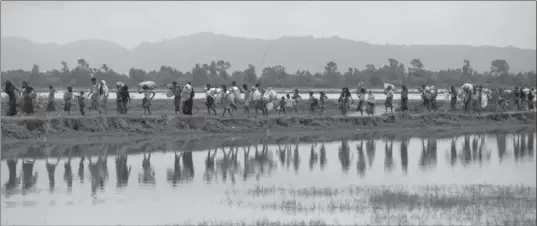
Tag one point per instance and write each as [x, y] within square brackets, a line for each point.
[201, 186]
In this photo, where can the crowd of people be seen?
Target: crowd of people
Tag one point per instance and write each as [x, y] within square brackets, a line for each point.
[472, 98]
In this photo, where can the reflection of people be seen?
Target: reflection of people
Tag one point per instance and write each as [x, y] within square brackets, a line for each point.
[208, 176]
[122, 171]
[404, 153]
[174, 175]
[370, 150]
[322, 153]
[148, 174]
[68, 173]
[51, 170]
[388, 158]
[28, 176]
[313, 156]
[344, 156]
[360, 164]
[12, 168]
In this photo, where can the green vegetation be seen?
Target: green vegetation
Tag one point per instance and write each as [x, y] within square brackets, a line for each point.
[217, 72]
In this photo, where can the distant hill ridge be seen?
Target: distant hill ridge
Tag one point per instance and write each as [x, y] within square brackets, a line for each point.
[294, 53]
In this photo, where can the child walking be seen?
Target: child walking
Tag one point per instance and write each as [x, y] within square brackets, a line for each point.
[282, 107]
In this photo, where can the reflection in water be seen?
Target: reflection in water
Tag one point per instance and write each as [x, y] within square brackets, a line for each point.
[531, 138]
[188, 167]
[501, 142]
[228, 165]
[370, 150]
[13, 181]
[296, 158]
[428, 154]
[98, 171]
[29, 178]
[314, 157]
[404, 153]
[68, 172]
[453, 152]
[344, 156]
[322, 160]
[222, 165]
[210, 172]
[467, 151]
[147, 176]
[51, 171]
[122, 171]
[360, 165]
[388, 155]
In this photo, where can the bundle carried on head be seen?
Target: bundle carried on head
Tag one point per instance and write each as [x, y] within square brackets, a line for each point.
[169, 90]
[467, 87]
[389, 86]
[149, 84]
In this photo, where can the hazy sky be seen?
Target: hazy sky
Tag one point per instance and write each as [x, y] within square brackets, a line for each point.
[130, 23]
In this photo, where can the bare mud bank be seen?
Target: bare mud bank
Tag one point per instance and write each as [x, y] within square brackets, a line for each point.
[25, 128]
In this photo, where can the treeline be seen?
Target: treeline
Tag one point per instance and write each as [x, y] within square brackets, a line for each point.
[217, 72]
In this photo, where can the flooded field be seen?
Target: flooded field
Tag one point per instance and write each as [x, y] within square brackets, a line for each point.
[467, 180]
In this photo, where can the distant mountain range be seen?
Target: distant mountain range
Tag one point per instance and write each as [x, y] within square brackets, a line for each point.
[305, 53]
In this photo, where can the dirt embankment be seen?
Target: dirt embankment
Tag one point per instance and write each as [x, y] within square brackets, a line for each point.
[28, 128]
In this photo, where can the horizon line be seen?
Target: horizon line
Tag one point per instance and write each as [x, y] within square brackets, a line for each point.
[262, 39]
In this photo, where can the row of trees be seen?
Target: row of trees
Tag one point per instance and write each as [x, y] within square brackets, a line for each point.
[217, 72]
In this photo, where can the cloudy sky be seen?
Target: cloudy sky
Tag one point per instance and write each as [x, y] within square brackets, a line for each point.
[130, 23]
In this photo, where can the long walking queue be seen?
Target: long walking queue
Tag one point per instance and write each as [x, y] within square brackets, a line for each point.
[229, 98]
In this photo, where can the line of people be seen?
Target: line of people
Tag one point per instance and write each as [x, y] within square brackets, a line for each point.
[260, 99]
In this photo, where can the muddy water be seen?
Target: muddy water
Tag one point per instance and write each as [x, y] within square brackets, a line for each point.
[230, 184]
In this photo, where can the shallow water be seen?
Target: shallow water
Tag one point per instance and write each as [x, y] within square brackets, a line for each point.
[205, 191]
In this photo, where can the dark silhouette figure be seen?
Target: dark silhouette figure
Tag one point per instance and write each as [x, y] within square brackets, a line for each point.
[28, 176]
[281, 154]
[428, 154]
[314, 157]
[501, 141]
[523, 143]
[148, 174]
[188, 164]
[249, 165]
[13, 181]
[360, 164]
[516, 147]
[531, 143]
[210, 172]
[228, 165]
[296, 158]
[81, 169]
[174, 175]
[388, 155]
[370, 145]
[404, 153]
[98, 172]
[68, 172]
[466, 150]
[344, 156]
[453, 152]
[122, 171]
[322, 154]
